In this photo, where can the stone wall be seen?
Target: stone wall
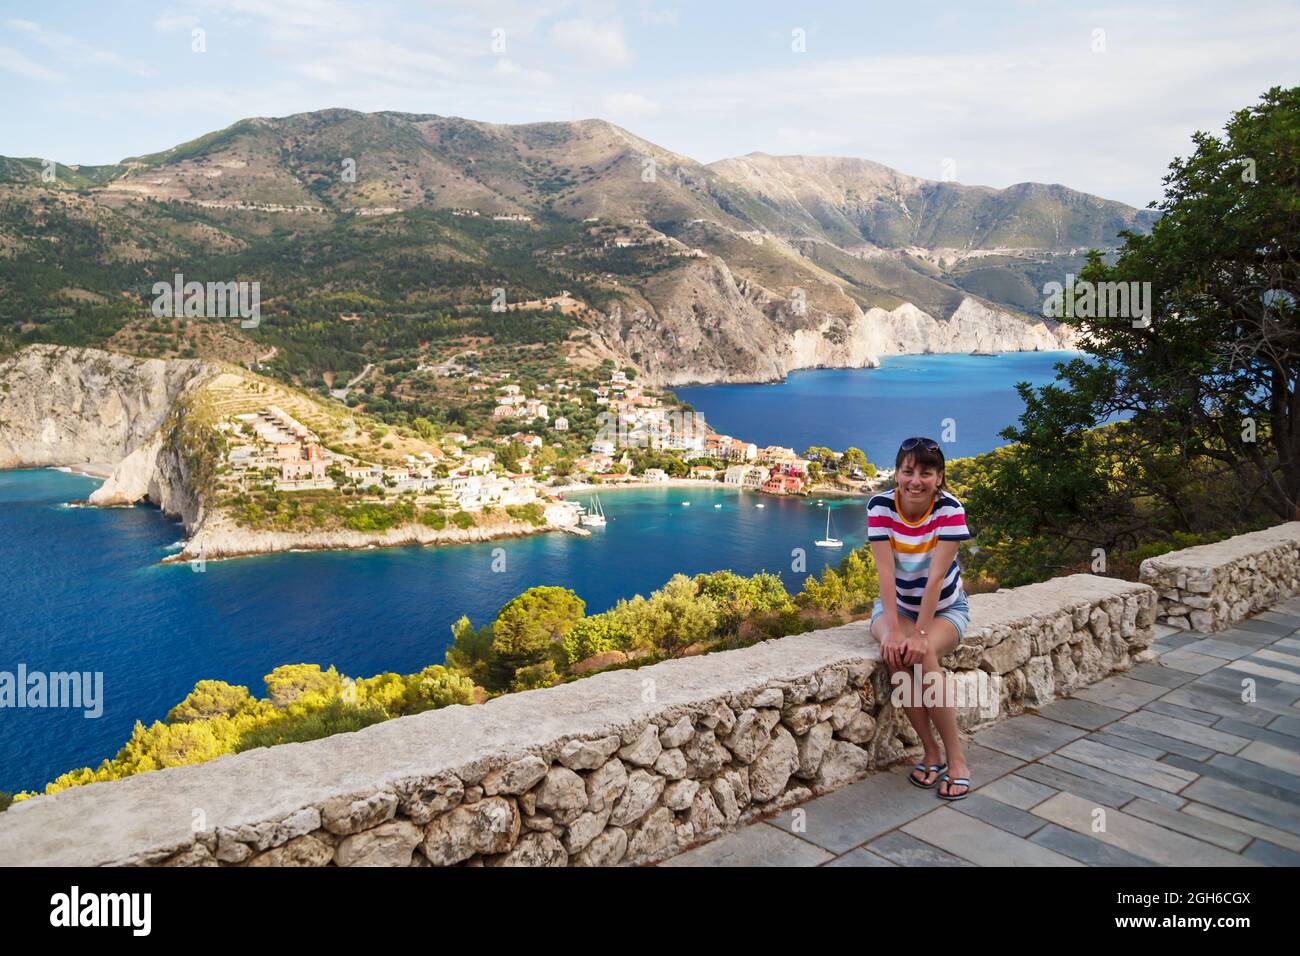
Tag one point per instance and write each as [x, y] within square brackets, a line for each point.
[624, 767]
[1208, 587]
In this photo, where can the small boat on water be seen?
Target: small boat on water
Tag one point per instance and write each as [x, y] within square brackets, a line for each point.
[760, 505]
[828, 541]
[595, 514]
[717, 506]
[686, 504]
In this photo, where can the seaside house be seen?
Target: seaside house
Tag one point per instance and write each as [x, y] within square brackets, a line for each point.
[774, 453]
[655, 474]
[779, 484]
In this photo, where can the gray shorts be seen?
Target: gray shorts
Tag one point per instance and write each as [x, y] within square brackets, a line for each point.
[958, 612]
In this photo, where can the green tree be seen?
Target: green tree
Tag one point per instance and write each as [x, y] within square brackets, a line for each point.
[1211, 372]
[853, 458]
[530, 628]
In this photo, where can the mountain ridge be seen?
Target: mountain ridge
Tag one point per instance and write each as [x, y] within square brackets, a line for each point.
[762, 250]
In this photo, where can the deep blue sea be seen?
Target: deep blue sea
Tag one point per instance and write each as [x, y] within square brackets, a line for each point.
[874, 409]
[83, 589]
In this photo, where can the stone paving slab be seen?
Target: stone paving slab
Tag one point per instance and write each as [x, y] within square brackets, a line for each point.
[1153, 773]
[1183, 713]
[1269, 692]
[1085, 849]
[1243, 776]
[1286, 725]
[1134, 788]
[1017, 791]
[981, 843]
[1080, 713]
[1174, 640]
[1135, 835]
[999, 814]
[852, 815]
[1266, 735]
[1169, 745]
[1249, 827]
[859, 857]
[1193, 826]
[1095, 790]
[1156, 674]
[1216, 701]
[1127, 745]
[1228, 650]
[1248, 666]
[1206, 737]
[1272, 658]
[1246, 803]
[1187, 660]
[1120, 692]
[1286, 784]
[903, 849]
[1281, 617]
[754, 845]
[1279, 758]
[1265, 627]
[1252, 638]
[1264, 852]
[1027, 736]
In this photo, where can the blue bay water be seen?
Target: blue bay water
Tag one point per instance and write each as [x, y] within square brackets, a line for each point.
[874, 409]
[83, 589]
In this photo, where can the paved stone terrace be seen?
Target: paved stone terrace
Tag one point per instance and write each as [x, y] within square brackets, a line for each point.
[1187, 772]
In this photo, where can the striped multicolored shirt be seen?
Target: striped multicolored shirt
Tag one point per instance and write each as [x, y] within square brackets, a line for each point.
[914, 541]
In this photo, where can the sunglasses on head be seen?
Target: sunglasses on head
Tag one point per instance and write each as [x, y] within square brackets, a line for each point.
[911, 443]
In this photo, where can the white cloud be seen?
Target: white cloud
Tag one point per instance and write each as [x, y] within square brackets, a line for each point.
[629, 104]
[15, 62]
[598, 43]
[168, 22]
[69, 49]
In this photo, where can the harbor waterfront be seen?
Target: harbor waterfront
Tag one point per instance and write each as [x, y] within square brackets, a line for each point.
[95, 597]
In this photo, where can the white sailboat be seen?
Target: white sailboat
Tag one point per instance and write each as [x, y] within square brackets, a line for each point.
[595, 515]
[828, 541]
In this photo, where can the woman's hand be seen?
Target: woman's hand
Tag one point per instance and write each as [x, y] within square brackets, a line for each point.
[893, 645]
[915, 647]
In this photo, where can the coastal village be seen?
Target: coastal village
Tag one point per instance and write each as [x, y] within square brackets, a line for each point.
[270, 449]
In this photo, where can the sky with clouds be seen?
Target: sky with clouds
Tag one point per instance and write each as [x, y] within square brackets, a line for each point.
[1097, 96]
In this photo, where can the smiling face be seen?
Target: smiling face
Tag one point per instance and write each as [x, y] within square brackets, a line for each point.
[917, 482]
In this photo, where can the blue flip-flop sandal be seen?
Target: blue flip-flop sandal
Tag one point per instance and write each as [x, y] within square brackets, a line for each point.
[933, 768]
[954, 782]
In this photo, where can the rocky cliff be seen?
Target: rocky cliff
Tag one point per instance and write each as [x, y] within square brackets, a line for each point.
[132, 420]
[703, 325]
[104, 413]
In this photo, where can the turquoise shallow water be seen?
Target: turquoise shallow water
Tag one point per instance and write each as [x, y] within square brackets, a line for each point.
[83, 589]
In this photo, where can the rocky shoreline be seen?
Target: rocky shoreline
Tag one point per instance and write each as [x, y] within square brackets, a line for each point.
[214, 544]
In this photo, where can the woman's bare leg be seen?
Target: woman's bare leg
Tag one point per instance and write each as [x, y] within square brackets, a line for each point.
[943, 639]
[910, 693]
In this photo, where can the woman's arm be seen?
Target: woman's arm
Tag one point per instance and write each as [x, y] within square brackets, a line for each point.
[940, 561]
[882, 551]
